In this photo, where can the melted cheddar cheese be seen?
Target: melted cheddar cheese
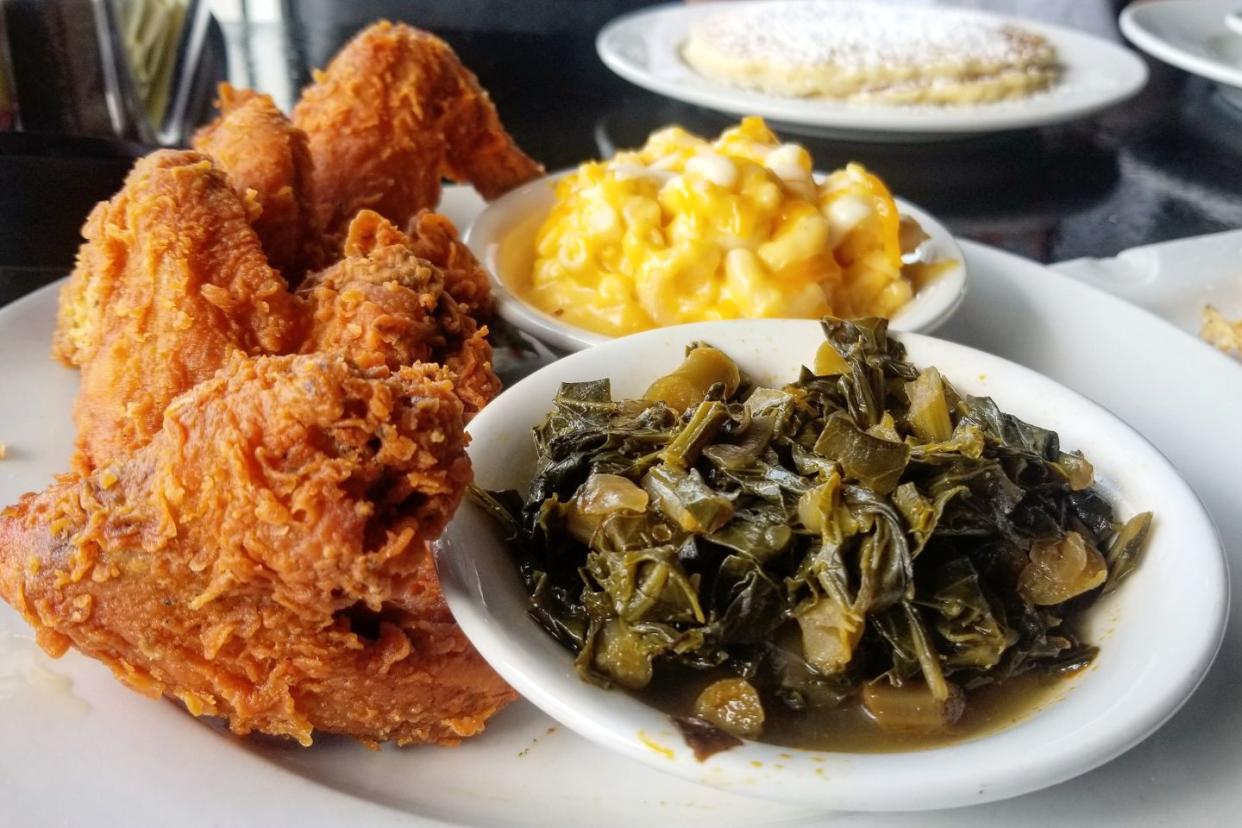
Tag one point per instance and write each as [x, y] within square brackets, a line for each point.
[685, 230]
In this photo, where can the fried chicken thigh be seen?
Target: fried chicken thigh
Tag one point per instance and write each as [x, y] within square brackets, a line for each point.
[394, 112]
[264, 558]
[267, 161]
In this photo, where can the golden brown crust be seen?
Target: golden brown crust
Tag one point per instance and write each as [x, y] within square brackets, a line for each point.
[170, 281]
[384, 305]
[263, 559]
[246, 531]
[267, 159]
[393, 112]
[434, 238]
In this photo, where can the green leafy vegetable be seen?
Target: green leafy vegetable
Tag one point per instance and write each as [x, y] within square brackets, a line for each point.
[863, 535]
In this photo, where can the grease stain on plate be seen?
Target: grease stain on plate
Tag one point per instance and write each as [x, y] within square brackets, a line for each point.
[23, 671]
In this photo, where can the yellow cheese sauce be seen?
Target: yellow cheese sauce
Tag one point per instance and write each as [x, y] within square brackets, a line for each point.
[686, 230]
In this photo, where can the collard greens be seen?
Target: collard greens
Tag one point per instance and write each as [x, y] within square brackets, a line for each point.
[864, 525]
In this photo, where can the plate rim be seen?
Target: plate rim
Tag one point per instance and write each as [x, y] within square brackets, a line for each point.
[1135, 25]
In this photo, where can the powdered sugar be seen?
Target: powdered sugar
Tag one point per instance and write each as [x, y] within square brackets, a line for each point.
[856, 36]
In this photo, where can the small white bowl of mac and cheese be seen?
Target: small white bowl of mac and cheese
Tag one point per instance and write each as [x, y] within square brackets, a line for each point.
[689, 230]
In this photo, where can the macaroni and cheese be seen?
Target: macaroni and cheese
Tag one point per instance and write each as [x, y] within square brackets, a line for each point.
[685, 230]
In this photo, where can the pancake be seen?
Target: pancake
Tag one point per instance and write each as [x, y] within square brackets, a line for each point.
[875, 53]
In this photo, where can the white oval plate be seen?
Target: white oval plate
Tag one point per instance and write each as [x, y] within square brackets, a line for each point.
[644, 47]
[1194, 35]
[503, 238]
[1146, 668]
[130, 761]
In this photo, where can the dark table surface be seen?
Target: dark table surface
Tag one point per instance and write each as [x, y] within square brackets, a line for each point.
[1164, 165]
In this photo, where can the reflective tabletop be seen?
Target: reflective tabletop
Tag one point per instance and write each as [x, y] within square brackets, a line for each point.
[1163, 165]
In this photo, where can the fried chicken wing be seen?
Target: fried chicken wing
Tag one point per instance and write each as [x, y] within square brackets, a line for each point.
[394, 112]
[170, 281]
[263, 558]
[385, 305]
[267, 160]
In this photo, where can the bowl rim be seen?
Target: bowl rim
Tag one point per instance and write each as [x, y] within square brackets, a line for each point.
[960, 773]
[924, 313]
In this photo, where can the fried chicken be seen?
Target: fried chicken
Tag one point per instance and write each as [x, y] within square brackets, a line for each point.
[434, 238]
[170, 281]
[264, 559]
[259, 469]
[399, 111]
[384, 305]
[394, 112]
[267, 161]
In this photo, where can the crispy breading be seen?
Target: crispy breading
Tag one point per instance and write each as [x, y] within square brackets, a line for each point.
[267, 160]
[434, 238]
[1221, 332]
[393, 112]
[263, 558]
[170, 281]
[384, 305]
[245, 530]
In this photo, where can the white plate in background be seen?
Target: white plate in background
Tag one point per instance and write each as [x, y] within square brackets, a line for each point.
[1234, 21]
[644, 47]
[1194, 35]
[1174, 279]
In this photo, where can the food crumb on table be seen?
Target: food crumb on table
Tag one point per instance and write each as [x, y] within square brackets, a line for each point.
[1217, 331]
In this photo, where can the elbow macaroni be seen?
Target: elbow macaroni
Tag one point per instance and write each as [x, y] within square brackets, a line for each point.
[685, 230]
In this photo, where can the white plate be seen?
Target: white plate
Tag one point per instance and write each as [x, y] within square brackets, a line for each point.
[108, 757]
[1145, 670]
[645, 47]
[1192, 35]
[1174, 279]
[503, 238]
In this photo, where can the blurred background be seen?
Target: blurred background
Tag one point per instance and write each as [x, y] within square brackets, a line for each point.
[88, 85]
[146, 69]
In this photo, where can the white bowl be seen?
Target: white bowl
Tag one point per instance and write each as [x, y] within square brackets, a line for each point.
[1158, 633]
[503, 238]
